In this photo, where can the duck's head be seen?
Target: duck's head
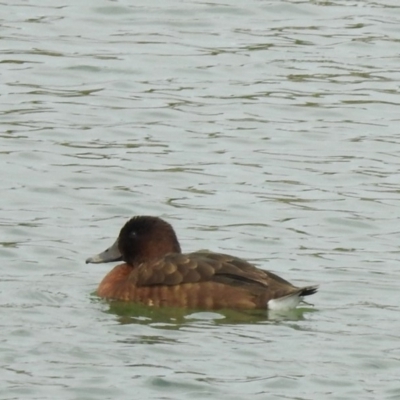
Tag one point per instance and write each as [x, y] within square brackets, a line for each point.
[142, 238]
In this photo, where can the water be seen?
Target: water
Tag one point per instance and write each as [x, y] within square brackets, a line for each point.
[268, 130]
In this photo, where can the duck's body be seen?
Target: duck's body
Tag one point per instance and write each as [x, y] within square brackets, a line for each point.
[156, 273]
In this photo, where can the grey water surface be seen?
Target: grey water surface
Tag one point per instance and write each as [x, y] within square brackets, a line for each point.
[265, 129]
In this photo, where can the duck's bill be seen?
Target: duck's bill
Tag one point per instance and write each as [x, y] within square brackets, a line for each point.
[110, 255]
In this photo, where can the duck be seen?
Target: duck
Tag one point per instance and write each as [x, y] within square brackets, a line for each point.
[155, 272]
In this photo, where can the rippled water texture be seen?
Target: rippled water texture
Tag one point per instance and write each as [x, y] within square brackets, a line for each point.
[265, 129]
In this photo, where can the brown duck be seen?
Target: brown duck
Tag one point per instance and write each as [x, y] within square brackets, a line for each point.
[156, 273]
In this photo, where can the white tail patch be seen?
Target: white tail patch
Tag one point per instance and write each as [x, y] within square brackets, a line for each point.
[285, 303]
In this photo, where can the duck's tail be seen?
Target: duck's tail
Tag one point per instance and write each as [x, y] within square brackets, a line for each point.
[308, 290]
[291, 300]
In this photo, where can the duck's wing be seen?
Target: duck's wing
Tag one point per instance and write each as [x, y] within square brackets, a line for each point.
[175, 269]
